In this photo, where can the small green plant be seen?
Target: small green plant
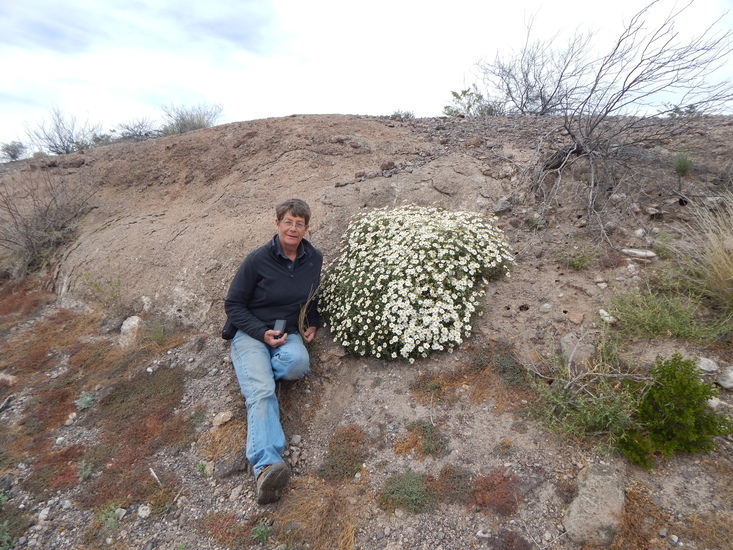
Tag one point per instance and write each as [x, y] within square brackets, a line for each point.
[409, 491]
[107, 517]
[85, 401]
[202, 469]
[577, 257]
[425, 438]
[673, 414]
[663, 245]
[86, 469]
[6, 540]
[472, 103]
[409, 281]
[261, 532]
[158, 333]
[599, 403]
[402, 115]
[108, 289]
[682, 167]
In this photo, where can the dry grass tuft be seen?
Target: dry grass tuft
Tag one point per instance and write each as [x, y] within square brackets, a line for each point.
[708, 530]
[641, 523]
[708, 254]
[21, 298]
[454, 485]
[317, 514]
[224, 441]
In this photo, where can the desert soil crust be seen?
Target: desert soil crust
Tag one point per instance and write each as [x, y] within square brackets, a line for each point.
[172, 219]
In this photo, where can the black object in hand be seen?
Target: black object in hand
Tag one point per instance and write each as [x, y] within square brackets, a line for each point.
[280, 326]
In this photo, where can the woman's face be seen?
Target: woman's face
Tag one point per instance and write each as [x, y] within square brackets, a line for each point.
[291, 230]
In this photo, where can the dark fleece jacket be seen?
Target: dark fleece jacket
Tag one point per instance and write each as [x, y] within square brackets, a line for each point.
[269, 286]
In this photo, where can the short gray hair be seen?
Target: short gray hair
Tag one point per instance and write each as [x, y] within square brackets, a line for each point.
[295, 207]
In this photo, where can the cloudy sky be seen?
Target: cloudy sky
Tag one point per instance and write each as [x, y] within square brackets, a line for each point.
[109, 61]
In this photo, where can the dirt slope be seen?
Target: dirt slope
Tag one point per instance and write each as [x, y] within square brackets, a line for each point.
[173, 218]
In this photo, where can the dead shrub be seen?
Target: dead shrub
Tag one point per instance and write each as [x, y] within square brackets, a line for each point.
[38, 213]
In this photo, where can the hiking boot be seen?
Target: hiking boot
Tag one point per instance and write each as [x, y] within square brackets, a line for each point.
[271, 482]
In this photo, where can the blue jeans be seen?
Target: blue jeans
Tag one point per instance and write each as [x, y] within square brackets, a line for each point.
[257, 366]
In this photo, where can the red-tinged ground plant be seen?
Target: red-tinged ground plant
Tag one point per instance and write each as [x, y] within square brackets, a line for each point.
[497, 492]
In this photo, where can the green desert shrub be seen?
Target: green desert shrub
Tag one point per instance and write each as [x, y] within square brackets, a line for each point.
[673, 414]
[409, 280]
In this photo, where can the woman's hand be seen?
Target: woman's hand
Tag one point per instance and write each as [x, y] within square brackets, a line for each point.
[272, 340]
[309, 334]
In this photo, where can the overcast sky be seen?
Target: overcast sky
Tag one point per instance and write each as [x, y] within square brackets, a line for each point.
[108, 61]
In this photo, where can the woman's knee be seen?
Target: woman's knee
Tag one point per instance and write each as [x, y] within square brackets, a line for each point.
[293, 362]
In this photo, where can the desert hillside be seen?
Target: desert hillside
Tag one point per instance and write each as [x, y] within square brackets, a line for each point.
[170, 221]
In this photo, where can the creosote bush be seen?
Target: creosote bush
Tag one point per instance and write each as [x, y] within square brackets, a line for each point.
[409, 280]
[673, 414]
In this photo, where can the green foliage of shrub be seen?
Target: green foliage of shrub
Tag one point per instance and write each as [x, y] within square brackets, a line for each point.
[472, 103]
[409, 491]
[674, 415]
[651, 314]
[6, 541]
[409, 280]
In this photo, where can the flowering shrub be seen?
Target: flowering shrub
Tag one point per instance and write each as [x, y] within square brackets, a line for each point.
[409, 280]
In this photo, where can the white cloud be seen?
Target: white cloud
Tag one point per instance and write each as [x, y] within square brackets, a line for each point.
[111, 62]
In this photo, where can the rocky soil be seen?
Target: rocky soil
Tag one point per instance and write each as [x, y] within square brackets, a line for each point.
[172, 219]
